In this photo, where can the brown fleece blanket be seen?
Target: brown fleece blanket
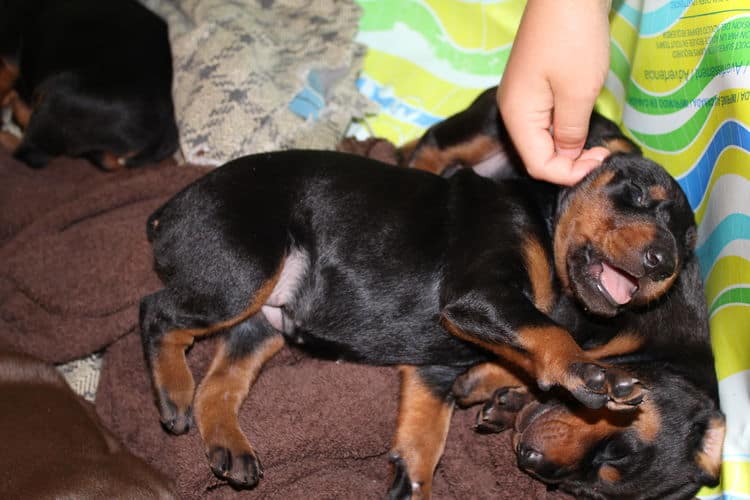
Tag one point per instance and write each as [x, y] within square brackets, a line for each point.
[74, 262]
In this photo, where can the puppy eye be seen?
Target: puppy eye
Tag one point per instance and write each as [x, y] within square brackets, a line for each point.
[638, 196]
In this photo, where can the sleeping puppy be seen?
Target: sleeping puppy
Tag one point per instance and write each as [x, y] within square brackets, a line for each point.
[476, 138]
[349, 258]
[89, 79]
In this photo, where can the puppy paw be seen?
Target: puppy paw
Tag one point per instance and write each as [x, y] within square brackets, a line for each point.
[463, 391]
[625, 391]
[175, 412]
[589, 384]
[596, 386]
[240, 468]
[499, 412]
[403, 487]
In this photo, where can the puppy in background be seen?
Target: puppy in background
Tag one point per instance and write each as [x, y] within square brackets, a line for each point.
[54, 445]
[87, 78]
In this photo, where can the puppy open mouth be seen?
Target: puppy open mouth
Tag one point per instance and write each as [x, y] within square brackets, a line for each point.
[616, 285]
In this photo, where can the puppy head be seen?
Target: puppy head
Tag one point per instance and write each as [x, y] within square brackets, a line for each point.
[668, 447]
[622, 235]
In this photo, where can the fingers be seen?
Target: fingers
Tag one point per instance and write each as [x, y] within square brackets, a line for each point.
[570, 124]
[556, 68]
[537, 149]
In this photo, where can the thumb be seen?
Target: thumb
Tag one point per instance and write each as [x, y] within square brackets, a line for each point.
[570, 125]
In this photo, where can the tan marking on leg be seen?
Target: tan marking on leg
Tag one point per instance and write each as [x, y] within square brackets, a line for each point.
[169, 367]
[623, 343]
[552, 351]
[481, 381]
[435, 160]
[539, 269]
[222, 391]
[422, 428]
[509, 354]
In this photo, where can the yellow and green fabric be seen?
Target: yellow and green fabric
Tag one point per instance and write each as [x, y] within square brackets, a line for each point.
[679, 84]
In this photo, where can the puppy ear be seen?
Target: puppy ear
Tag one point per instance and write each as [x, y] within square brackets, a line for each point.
[708, 456]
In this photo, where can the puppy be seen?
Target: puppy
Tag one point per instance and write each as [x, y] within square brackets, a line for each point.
[668, 447]
[352, 259]
[89, 79]
[476, 138]
[54, 445]
[666, 344]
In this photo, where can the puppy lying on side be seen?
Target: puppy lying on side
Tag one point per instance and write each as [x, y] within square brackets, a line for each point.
[668, 447]
[665, 345]
[54, 445]
[87, 78]
[476, 138]
[349, 258]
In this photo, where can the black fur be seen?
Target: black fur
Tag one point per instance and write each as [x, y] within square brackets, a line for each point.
[390, 252]
[98, 76]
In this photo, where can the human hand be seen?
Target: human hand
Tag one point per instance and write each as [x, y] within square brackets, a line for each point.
[556, 69]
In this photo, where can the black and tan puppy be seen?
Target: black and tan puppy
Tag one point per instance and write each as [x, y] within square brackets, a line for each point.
[666, 345]
[476, 138]
[352, 259]
[668, 447]
[91, 79]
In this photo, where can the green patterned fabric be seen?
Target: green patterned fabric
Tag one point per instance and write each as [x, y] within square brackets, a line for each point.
[679, 84]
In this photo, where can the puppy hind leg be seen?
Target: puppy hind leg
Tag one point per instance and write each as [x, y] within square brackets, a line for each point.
[480, 382]
[164, 345]
[167, 330]
[425, 410]
[234, 369]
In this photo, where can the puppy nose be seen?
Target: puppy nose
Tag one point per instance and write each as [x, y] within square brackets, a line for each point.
[659, 262]
[529, 458]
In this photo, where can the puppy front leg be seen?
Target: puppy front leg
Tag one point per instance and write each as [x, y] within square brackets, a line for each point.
[425, 410]
[545, 350]
[480, 382]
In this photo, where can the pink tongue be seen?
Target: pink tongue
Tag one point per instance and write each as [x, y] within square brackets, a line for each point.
[619, 286]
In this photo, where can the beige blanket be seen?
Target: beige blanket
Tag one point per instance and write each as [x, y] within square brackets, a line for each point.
[239, 63]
